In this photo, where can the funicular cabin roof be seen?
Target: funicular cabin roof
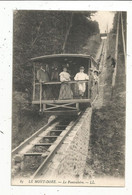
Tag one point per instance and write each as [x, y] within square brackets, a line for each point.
[55, 56]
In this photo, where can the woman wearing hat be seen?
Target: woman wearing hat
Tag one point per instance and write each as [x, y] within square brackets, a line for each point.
[65, 90]
[81, 76]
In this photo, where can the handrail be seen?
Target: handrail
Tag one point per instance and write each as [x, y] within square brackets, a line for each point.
[58, 82]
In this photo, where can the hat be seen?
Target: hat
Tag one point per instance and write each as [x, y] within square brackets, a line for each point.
[95, 70]
[82, 67]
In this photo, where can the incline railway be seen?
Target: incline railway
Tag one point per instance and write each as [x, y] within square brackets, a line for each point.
[34, 153]
[31, 157]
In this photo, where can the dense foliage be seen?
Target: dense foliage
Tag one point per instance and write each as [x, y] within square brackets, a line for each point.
[37, 33]
[81, 29]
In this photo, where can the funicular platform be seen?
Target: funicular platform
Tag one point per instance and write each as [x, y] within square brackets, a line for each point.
[66, 106]
[52, 103]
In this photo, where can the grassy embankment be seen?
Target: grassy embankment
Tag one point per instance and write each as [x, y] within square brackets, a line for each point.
[107, 142]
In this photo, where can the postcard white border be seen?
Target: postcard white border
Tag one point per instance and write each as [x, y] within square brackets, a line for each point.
[6, 19]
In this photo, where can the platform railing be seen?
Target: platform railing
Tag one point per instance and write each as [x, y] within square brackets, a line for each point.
[59, 82]
[51, 90]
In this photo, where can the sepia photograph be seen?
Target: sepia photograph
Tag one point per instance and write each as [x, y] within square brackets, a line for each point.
[68, 98]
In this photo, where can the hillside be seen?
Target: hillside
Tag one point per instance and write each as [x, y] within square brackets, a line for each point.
[37, 33]
[107, 142]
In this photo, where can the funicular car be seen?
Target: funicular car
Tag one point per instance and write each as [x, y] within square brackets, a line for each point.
[46, 90]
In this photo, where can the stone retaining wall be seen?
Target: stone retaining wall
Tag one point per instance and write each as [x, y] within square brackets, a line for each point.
[69, 162]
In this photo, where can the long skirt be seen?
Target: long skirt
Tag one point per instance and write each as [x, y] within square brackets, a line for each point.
[65, 92]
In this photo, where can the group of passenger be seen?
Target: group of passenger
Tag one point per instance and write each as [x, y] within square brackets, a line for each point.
[65, 91]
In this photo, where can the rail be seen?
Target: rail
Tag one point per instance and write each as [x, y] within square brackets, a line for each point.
[28, 140]
[41, 147]
[43, 166]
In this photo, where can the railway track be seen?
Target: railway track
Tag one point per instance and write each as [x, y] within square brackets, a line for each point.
[31, 157]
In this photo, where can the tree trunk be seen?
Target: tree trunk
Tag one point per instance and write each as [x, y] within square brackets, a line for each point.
[67, 34]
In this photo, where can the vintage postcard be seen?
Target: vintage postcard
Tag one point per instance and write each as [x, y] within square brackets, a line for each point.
[68, 117]
[68, 91]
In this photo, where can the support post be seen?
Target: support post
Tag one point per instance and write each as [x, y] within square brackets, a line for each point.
[40, 97]
[44, 107]
[116, 52]
[77, 106]
[34, 82]
[123, 39]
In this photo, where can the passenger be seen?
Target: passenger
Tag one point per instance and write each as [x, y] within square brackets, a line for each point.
[96, 79]
[91, 81]
[68, 68]
[65, 90]
[81, 76]
[113, 62]
[55, 78]
[47, 69]
[55, 73]
[43, 77]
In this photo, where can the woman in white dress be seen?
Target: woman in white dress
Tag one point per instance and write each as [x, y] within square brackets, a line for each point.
[65, 90]
[81, 76]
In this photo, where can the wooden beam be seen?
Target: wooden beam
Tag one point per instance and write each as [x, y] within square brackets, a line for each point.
[34, 82]
[58, 82]
[44, 107]
[43, 144]
[50, 136]
[40, 97]
[77, 106]
[56, 130]
[35, 154]
[62, 101]
[61, 106]
[62, 112]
